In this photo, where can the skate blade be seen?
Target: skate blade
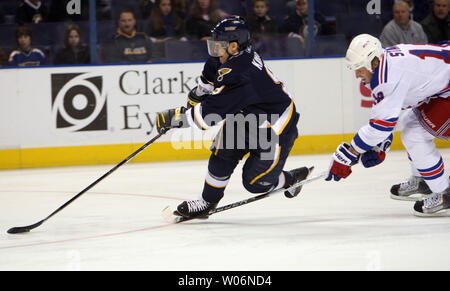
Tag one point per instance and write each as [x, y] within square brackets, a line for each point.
[440, 213]
[413, 197]
[169, 216]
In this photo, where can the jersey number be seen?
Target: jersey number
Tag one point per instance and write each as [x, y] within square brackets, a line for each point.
[442, 55]
[377, 98]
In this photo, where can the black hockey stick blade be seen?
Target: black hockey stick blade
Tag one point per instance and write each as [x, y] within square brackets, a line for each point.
[22, 229]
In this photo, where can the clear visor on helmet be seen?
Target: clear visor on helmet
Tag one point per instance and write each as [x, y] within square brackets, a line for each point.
[217, 48]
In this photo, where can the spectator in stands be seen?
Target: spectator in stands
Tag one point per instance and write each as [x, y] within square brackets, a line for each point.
[26, 55]
[437, 24]
[296, 24]
[259, 23]
[204, 15]
[3, 59]
[31, 11]
[418, 9]
[164, 23]
[74, 51]
[128, 46]
[402, 29]
[181, 7]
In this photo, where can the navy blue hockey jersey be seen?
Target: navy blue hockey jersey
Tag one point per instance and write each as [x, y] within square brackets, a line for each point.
[35, 57]
[244, 85]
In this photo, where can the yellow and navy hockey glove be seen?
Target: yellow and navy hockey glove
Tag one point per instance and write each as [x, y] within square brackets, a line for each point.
[171, 118]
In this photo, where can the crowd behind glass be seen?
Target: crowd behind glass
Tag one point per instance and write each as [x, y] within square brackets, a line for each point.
[42, 32]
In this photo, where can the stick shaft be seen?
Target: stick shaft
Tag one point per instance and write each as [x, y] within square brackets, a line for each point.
[130, 157]
[260, 196]
[267, 194]
[27, 228]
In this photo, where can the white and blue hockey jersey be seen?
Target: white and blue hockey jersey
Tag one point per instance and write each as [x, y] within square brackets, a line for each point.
[407, 76]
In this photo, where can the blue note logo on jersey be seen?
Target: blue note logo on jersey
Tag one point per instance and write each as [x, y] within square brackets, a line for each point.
[78, 102]
[222, 72]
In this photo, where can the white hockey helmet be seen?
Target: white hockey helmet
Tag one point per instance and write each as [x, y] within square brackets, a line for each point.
[362, 50]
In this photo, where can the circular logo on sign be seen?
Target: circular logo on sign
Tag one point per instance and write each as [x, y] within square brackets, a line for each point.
[78, 103]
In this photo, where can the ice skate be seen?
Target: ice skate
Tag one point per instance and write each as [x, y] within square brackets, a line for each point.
[298, 174]
[195, 209]
[436, 205]
[414, 189]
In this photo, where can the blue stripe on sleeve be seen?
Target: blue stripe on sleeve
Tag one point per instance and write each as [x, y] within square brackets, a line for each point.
[361, 144]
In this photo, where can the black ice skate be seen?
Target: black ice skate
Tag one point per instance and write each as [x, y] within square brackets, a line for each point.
[299, 174]
[195, 209]
[436, 205]
[414, 189]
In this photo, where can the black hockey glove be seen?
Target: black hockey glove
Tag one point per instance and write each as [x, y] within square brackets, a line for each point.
[193, 99]
[171, 118]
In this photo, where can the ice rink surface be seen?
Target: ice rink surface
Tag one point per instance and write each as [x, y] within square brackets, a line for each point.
[117, 225]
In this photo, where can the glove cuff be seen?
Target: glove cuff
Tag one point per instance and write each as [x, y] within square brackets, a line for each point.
[193, 99]
[344, 156]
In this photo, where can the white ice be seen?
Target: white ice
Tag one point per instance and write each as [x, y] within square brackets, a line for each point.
[117, 225]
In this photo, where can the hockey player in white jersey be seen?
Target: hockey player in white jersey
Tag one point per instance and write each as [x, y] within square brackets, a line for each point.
[415, 78]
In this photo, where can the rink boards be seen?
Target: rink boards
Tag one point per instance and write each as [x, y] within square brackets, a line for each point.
[55, 116]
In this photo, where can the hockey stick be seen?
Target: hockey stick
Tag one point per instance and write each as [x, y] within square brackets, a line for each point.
[169, 216]
[22, 229]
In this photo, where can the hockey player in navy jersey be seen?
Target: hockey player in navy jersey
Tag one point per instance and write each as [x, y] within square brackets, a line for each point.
[236, 85]
[414, 78]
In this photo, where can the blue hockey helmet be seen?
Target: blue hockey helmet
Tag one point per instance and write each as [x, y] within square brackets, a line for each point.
[230, 29]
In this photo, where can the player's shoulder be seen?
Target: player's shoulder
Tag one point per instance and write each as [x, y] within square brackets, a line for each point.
[38, 51]
[241, 61]
[14, 53]
[14, 56]
[213, 62]
[210, 69]
[211, 66]
[393, 63]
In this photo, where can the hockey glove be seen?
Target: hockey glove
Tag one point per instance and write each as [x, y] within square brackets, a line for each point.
[171, 118]
[193, 99]
[342, 161]
[377, 155]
